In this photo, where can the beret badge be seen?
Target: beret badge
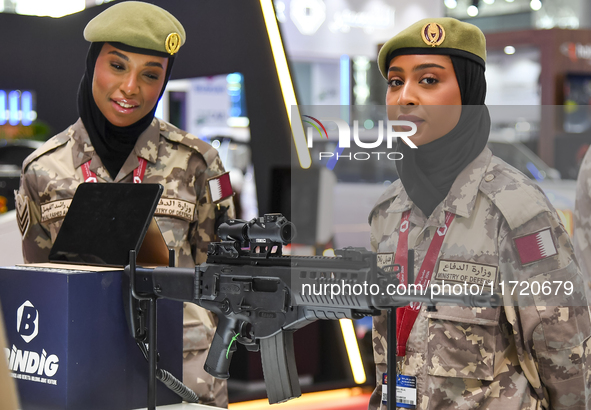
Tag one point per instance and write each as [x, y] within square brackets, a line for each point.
[172, 43]
[433, 34]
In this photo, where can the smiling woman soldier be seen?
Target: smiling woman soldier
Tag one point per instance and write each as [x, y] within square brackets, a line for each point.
[472, 219]
[118, 139]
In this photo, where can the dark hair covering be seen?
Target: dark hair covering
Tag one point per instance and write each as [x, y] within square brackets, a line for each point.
[427, 173]
[112, 144]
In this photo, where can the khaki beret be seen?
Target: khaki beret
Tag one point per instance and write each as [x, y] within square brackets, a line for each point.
[444, 35]
[137, 24]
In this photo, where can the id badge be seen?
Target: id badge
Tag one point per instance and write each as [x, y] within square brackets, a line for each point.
[406, 391]
[385, 388]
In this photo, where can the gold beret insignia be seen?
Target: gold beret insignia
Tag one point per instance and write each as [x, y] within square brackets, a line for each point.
[172, 43]
[433, 34]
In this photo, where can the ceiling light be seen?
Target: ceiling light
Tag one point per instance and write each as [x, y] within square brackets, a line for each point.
[51, 8]
[489, 1]
[509, 50]
[535, 5]
[450, 4]
[472, 11]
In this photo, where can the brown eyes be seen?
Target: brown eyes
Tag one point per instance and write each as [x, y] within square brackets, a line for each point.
[120, 67]
[429, 81]
[395, 82]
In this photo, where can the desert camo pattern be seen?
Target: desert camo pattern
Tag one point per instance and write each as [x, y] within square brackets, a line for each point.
[582, 220]
[531, 355]
[182, 164]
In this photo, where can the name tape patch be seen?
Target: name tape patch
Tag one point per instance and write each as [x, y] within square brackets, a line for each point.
[385, 259]
[55, 209]
[469, 272]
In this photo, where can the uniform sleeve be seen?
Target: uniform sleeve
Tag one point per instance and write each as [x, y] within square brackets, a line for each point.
[551, 333]
[582, 220]
[36, 239]
[209, 214]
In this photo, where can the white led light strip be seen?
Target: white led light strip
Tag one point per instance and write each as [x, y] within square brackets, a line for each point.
[289, 98]
[353, 350]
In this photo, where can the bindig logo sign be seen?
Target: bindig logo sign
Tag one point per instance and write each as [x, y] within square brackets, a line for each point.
[27, 320]
[30, 365]
[345, 138]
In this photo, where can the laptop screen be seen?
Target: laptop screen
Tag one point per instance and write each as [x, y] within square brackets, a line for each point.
[104, 222]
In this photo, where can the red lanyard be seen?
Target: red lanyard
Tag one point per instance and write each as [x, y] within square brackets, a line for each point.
[407, 315]
[138, 173]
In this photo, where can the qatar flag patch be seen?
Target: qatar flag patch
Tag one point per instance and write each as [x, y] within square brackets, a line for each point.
[535, 247]
[220, 187]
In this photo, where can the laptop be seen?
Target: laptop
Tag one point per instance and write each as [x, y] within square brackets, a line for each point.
[107, 220]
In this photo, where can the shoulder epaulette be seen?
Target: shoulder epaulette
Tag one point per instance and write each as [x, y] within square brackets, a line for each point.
[175, 134]
[389, 194]
[517, 197]
[51, 144]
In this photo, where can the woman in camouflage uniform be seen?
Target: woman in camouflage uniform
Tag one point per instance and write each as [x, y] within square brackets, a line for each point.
[472, 220]
[118, 139]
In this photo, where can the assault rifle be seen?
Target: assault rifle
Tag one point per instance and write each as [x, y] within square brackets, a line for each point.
[261, 296]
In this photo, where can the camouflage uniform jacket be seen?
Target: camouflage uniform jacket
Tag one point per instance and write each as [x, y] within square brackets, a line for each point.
[513, 357]
[582, 219]
[180, 162]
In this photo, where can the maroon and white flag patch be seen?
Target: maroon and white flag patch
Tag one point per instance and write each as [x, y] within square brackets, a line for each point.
[220, 187]
[535, 247]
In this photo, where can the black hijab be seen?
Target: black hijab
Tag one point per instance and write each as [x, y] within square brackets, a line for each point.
[427, 173]
[112, 144]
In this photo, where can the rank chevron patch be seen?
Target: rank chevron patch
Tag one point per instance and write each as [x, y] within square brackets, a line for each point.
[23, 217]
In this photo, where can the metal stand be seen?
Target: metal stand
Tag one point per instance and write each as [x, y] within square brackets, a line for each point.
[152, 352]
[391, 360]
[392, 370]
[152, 331]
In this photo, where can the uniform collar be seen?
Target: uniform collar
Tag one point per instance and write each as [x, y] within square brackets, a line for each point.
[83, 150]
[460, 199]
[146, 147]
[462, 196]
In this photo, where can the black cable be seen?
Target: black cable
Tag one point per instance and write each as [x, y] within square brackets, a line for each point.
[177, 386]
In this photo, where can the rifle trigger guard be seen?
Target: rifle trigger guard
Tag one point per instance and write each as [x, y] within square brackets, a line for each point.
[242, 339]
